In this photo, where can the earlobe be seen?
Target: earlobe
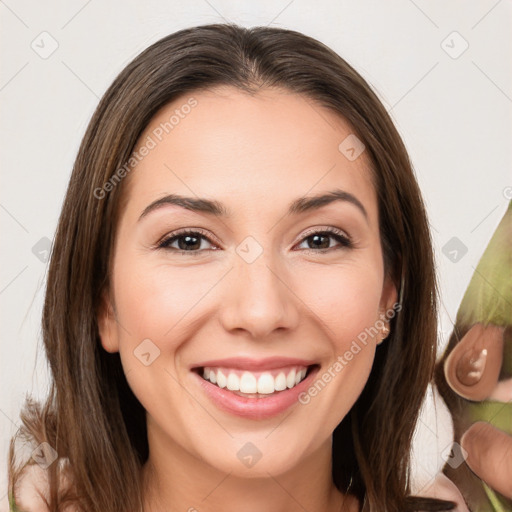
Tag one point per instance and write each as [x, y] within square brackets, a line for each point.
[107, 325]
[388, 301]
[384, 335]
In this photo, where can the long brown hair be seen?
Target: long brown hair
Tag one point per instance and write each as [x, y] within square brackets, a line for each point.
[91, 416]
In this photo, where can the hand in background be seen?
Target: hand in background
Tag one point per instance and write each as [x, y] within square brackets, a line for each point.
[490, 456]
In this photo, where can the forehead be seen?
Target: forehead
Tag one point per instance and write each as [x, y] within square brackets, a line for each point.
[243, 149]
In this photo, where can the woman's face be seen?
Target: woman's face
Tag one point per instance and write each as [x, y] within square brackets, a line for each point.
[253, 281]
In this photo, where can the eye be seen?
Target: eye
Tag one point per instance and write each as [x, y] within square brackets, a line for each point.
[320, 240]
[189, 241]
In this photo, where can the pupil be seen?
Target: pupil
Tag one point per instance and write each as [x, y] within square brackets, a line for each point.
[316, 237]
[188, 244]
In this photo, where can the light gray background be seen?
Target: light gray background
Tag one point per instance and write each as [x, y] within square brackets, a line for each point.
[453, 111]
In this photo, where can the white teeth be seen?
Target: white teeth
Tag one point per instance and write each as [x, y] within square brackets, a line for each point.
[221, 379]
[300, 375]
[280, 382]
[290, 380]
[266, 384]
[250, 383]
[233, 382]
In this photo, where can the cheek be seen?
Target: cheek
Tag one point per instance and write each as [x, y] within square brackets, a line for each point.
[345, 298]
[155, 306]
[158, 301]
[346, 302]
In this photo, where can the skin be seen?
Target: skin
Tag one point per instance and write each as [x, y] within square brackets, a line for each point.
[255, 155]
[490, 455]
[443, 488]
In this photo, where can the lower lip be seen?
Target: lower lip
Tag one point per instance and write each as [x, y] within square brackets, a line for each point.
[255, 408]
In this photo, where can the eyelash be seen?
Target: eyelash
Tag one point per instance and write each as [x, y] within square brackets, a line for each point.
[344, 241]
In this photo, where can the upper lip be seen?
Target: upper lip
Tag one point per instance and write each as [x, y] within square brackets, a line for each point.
[246, 363]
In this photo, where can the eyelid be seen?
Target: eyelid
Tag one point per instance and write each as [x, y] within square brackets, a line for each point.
[325, 229]
[334, 232]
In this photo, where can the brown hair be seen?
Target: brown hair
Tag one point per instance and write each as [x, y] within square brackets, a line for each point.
[91, 416]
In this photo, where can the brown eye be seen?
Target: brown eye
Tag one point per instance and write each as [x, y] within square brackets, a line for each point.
[321, 240]
[187, 241]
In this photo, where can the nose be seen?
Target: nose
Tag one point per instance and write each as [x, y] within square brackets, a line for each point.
[259, 298]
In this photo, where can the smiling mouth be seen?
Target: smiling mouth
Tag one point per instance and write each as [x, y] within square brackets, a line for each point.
[261, 384]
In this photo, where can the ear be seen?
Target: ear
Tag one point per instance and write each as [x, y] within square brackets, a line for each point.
[107, 325]
[389, 296]
[388, 300]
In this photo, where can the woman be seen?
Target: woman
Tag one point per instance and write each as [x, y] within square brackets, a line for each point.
[241, 303]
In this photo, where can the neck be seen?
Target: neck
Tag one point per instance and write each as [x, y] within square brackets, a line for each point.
[176, 480]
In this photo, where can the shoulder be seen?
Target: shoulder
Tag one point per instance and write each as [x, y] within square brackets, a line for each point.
[444, 489]
[32, 489]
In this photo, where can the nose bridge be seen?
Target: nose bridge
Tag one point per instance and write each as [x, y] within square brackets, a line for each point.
[258, 298]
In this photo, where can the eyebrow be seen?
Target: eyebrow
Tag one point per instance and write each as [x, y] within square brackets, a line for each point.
[218, 209]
